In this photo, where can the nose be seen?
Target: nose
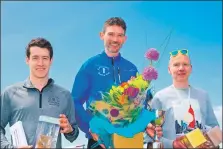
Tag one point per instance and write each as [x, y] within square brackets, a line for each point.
[115, 38]
[181, 67]
[40, 62]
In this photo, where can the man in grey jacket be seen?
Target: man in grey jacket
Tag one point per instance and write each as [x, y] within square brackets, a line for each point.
[37, 95]
[191, 106]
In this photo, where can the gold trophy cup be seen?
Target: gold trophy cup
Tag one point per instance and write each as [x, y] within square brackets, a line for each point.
[160, 116]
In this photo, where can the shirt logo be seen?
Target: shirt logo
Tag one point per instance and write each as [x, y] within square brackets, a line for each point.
[54, 101]
[103, 70]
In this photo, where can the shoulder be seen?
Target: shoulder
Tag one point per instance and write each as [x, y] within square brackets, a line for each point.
[199, 90]
[91, 61]
[164, 91]
[200, 93]
[127, 63]
[11, 89]
[60, 89]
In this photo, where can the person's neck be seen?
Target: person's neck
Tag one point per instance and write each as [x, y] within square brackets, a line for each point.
[109, 54]
[181, 85]
[39, 83]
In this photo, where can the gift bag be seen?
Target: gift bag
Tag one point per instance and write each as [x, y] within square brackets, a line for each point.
[47, 132]
[123, 142]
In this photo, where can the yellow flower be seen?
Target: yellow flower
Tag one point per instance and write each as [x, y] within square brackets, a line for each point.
[123, 99]
[139, 82]
[120, 89]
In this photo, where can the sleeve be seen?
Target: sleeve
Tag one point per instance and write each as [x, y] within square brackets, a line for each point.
[80, 94]
[210, 118]
[169, 132]
[71, 117]
[5, 116]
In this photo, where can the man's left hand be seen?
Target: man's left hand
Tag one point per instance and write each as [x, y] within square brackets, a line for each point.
[207, 144]
[152, 130]
[64, 124]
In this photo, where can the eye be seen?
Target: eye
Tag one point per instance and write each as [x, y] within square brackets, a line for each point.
[185, 64]
[176, 65]
[110, 34]
[120, 35]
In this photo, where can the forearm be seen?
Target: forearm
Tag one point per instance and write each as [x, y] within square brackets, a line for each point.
[82, 118]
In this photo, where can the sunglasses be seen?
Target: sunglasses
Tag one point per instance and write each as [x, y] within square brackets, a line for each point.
[183, 51]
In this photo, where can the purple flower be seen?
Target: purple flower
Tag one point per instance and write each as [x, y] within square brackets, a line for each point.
[152, 54]
[132, 92]
[150, 73]
[114, 112]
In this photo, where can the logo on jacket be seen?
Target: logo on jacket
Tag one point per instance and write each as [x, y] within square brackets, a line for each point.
[103, 71]
[54, 101]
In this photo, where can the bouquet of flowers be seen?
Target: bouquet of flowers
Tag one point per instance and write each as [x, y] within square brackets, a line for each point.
[122, 107]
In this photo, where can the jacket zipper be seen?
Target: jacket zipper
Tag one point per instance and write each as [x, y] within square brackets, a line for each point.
[119, 77]
[113, 70]
[40, 99]
[40, 95]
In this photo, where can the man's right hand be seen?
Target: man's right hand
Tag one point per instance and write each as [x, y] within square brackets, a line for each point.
[23, 147]
[178, 144]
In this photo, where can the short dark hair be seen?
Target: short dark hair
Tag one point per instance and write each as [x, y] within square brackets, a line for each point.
[115, 21]
[39, 42]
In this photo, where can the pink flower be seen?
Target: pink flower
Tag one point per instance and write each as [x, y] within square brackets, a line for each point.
[132, 92]
[150, 73]
[152, 54]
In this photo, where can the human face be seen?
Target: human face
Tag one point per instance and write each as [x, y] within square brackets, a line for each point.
[114, 37]
[180, 68]
[39, 62]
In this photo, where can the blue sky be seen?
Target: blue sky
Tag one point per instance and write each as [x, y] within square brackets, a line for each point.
[73, 29]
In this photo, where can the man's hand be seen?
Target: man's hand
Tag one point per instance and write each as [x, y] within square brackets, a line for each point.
[64, 124]
[207, 144]
[95, 137]
[23, 147]
[152, 130]
[178, 144]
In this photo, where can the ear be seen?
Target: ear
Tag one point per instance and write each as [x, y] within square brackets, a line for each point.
[169, 70]
[51, 61]
[27, 60]
[125, 38]
[102, 34]
[191, 69]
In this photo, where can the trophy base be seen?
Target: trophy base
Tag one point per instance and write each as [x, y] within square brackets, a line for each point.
[153, 145]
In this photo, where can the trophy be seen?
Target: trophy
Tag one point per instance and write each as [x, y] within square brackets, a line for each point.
[160, 116]
[158, 122]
